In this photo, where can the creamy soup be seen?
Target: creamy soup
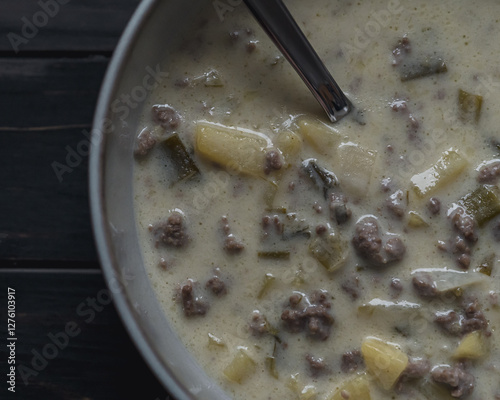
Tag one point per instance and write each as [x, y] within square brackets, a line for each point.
[300, 259]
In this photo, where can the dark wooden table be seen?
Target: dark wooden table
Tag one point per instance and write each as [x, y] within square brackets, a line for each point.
[53, 56]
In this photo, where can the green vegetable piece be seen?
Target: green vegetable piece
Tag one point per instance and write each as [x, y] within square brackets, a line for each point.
[320, 176]
[271, 367]
[274, 332]
[402, 315]
[330, 250]
[469, 106]
[445, 170]
[298, 278]
[486, 267]
[268, 282]
[415, 220]
[182, 161]
[295, 227]
[446, 280]
[376, 305]
[483, 203]
[241, 367]
[357, 388]
[269, 194]
[214, 341]
[429, 66]
[276, 255]
[271, 330]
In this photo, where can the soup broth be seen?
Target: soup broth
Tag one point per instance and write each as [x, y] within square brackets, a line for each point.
[300, 259]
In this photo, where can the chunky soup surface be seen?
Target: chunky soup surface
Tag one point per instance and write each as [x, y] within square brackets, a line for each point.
[299, 259]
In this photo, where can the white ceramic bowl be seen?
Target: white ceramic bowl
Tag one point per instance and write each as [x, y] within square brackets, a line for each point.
[155, 28]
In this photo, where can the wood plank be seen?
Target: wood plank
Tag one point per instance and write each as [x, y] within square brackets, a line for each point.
[48, 106]
[49, 92]
[44, 218]
[98, 362]
[83, 25]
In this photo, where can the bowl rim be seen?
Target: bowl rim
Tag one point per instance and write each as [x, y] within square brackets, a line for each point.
[101, 230]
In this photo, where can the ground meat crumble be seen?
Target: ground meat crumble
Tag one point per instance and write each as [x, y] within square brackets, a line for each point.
[417, 368]
[310, 315]
[274, 161]
[232, 244]
[351, 361]
[434, 205]
[339, 211]
[369, 244]
[351, 287]
[171, 232]
[395, 204]
[258, 325]
[317, 365]
[166, 116]
[424, 285]
[144, 143]
[192, 305]
[489, 173]
[470, 319]
[216, 286]
[460, 381]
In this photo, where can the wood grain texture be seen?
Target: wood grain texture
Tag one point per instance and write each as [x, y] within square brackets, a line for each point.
[48, 93]
[40, 93]
[44, 218]
[76, 25]
[98, 362]
[48, 108]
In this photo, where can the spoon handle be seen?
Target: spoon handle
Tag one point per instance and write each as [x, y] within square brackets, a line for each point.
[279, 24]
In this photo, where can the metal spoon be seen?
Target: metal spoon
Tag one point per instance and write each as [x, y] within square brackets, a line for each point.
[279, 24]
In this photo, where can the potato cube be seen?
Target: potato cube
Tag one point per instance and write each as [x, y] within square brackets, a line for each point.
[472, 346]
[289, 143]
[354, 166]
[384, 360]
[239, 150]
[320, 136]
